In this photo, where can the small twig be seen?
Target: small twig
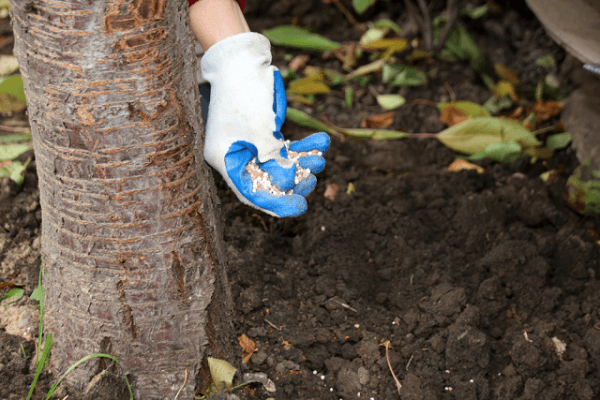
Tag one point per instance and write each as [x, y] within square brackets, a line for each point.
[348, 15]
[272, 325]
[335, 128]
[427, 27]
[409, 360]
[413, 13]
[182, 386]
[452, 10]
[14, 129]
[345, 305]
[373, 91]
[387, 357]
[543, 130]
[450, 91]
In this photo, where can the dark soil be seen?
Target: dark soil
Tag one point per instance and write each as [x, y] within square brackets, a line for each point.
[474, 279]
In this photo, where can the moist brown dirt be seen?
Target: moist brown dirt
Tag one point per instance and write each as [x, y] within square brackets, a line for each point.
[476, 280]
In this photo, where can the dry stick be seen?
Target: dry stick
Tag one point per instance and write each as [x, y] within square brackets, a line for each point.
[334, 131]
[427, 27]
[14, 129]
[409, 360]
[452, 10]
[413, 13]
[450, 91]
[182, 386]
[348, 15]
[387, 357]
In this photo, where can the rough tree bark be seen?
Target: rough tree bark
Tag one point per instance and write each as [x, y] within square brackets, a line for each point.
[132, 249]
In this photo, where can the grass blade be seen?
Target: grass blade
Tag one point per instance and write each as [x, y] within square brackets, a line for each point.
[75, 365]
[40, 364]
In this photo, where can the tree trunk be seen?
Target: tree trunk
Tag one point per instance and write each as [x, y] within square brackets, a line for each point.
[132, 249]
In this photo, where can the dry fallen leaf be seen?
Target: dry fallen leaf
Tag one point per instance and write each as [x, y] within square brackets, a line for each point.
[378, 121]
[331, 191]
[248, 347]
[459, 164]
[506, 73]
[299, 62]
[546, 110]
[450, 115]
[347, 55]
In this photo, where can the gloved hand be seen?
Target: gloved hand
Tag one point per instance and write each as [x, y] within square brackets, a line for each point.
[247, 108]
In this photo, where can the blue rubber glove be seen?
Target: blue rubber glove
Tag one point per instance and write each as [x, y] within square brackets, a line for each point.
[247, 108]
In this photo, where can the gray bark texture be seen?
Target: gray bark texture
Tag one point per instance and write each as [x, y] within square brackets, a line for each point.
[132, 249]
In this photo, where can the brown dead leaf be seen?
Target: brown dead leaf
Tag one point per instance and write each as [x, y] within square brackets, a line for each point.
[331, 191]
[347, 55]
[506, 73]
[451, 115]
[248, 347]
[379, 121]
[545, 110]
[299, 62]
[460, 164]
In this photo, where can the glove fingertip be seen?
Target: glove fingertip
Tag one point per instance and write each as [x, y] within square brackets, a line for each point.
[316, 164]
[306, 186]
[317, 141]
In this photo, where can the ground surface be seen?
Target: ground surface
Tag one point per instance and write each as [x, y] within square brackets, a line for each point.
[469, 276]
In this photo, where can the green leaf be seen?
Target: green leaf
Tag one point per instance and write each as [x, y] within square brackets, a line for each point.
[84, 359]
[475, 13]
[10, 152]
[40, 364]
[466, 107]
[390, 101]
[559, 141]
[348, 97]
[375, 134]
[303, 119]
[362, 81]
[360, 6]
[293, 36]
[14, 170]
[14, 294]
[13, 85]
[459, 45]
[221, 372]
[494, 105]
[547, 61]
[552, 87]
[403, 75]
[335, 78]
[36, 294]
[15, 138]
[387, 23]
[471, 50]
[501, 152]
[583, 189]
[475, 135]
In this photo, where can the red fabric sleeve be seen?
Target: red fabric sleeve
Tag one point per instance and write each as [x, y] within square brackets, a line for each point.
[242, 3]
